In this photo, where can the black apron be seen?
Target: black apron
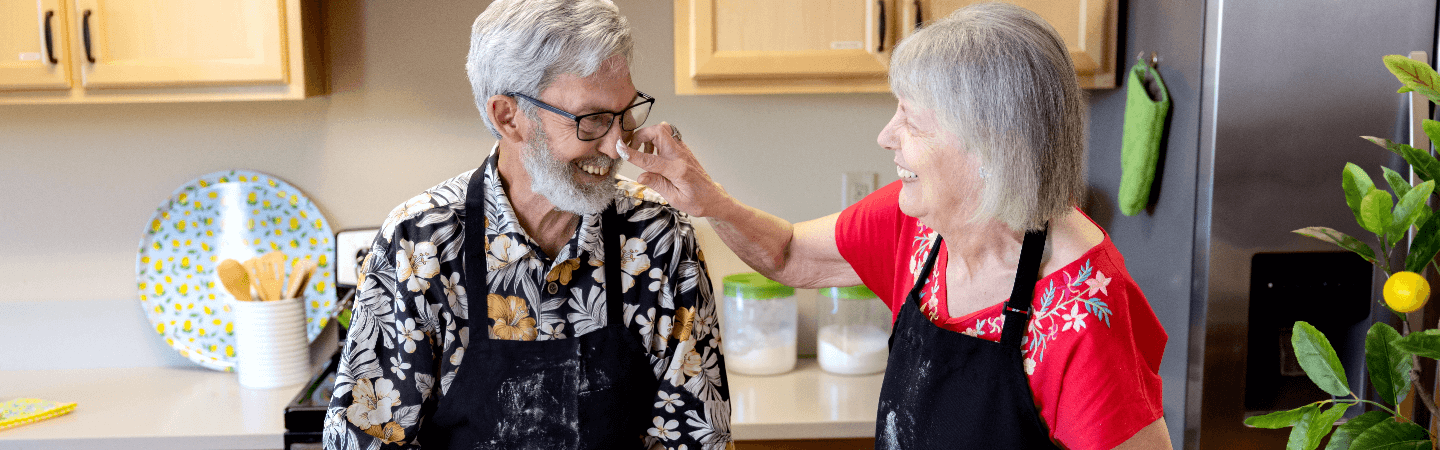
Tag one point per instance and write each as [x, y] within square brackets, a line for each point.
[944, 389]
[592, 391]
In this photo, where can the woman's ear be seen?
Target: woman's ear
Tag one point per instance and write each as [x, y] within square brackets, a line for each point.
[504, 113]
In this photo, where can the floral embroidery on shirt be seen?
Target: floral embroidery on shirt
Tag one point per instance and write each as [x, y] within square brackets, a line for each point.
[1068, 307]
[1074, 306]
[929, 296]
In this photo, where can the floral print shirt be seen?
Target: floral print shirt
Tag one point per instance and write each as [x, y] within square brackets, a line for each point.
[412, 318]
[1092, 347]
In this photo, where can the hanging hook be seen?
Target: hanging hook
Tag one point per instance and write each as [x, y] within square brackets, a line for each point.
[1153, 62]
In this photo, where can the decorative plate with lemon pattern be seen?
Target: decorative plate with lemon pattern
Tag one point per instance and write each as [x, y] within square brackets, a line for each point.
[234, 214]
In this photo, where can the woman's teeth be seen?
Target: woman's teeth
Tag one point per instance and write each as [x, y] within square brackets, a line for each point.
[595, 170]
[905, 174]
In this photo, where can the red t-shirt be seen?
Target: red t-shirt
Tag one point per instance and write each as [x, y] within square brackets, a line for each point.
[1093, 347]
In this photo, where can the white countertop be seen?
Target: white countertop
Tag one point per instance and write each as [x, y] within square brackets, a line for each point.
[805, 403]
[148, 407]
[195, 408]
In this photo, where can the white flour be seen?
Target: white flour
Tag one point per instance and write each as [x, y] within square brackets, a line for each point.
[853, 349]
[772, 357]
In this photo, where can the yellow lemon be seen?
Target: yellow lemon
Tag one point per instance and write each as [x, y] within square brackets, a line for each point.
[1406, 291]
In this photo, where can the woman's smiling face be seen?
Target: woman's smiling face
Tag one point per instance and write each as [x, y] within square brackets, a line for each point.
[939, 179]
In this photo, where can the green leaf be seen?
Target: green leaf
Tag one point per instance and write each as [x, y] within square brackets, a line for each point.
[1408, 209]
[1424, 216]
[1318, 359]
[1392, 435]
[1425, 245]
[1424, 343]
[1425, 165]
[1397, 182]
[1313, 428]
[1392, 146]
[1389, 367]
[1357, 185]
[1280, 419]
[1415, 75]
[1375, 211]
[1301, 430]
[1345, 434]
[1432, 130]
[1343, 240]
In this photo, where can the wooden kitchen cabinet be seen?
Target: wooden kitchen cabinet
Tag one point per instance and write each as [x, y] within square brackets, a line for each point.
[833, 46]
[1088, 27]
[769, 46]
[32, 44]
[108, 51]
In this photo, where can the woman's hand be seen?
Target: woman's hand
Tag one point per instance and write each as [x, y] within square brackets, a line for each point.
[673, 172]
[803, 255]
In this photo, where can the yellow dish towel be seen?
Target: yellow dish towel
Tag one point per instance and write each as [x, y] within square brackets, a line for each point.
[21, 411]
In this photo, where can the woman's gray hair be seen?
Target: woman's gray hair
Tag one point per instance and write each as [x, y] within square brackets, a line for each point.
[999, 78]
[522, 45]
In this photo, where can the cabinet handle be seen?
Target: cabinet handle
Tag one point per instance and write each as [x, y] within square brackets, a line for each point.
[50, 41]
[85, 32]
[919, 20]
[882, 21]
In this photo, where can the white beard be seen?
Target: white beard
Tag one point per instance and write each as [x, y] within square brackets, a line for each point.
[555, 180]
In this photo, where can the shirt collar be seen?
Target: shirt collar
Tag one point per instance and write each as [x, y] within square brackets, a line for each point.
[501, 220]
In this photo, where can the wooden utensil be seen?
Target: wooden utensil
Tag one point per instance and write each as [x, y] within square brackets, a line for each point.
[273, 264]
[252, 267]
[235, 278]
[299, 276]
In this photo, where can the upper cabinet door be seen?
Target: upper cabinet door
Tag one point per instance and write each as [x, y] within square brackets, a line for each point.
[788, 45]
[1088, 27]
[805, 46]
[152, 43]
[32, 45]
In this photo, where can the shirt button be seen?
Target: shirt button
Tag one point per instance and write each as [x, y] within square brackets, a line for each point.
[552, 288]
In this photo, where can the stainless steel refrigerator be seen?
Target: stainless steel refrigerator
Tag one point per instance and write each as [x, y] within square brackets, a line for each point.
[1288, 88]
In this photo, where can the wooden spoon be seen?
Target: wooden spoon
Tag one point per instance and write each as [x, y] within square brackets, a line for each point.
[235, 278]
[299, 276]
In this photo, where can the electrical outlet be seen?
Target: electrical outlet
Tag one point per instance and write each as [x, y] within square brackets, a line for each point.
[856, 185]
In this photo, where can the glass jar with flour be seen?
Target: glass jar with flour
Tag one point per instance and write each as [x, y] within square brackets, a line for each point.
[758, 325]
[854, 331]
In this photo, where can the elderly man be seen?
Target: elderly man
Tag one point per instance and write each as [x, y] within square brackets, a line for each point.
[538, 301]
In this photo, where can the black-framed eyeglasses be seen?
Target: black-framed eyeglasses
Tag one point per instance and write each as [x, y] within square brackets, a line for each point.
[593, 126]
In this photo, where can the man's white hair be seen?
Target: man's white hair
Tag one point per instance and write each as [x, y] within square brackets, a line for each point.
[523, 45]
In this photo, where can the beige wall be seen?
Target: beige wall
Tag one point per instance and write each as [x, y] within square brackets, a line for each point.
[79, 182]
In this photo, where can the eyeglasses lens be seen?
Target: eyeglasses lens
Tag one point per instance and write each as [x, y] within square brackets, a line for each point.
[594, 126]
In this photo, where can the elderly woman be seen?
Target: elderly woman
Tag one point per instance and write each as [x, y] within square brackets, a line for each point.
[988, 141]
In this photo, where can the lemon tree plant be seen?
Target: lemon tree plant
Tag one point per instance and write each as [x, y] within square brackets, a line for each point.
[1391, 356]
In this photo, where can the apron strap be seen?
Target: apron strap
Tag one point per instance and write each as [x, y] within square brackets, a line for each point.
[476, 289]
[919, 289]
[1017, 308]
[614, 290]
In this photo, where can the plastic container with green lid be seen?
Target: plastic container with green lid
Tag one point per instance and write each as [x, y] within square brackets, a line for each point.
[759, 325]
[854, 331]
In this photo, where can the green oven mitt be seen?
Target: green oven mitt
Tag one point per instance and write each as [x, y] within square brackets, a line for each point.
[1144, 125]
